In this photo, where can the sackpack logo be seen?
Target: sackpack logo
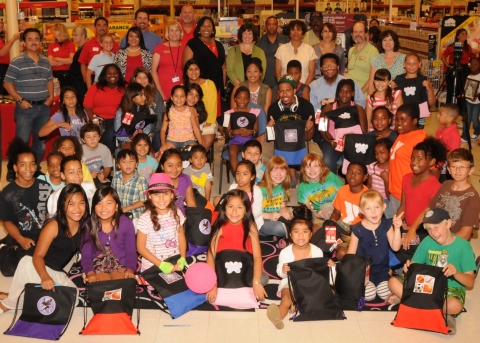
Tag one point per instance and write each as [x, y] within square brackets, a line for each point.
[344, 115]
[46, 305]
[242, 122]
[291, 136]
[424, 284]
[410, 90]
[205, 227]
[170, 278]
[233, 267]
[116, 294]
[361, 148]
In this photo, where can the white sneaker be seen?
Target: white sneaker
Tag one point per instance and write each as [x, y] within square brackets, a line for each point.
[473, 136]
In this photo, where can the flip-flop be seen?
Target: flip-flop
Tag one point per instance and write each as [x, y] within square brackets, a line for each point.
[273, 313]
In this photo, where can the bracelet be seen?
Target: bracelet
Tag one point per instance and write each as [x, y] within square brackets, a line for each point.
[230, 134]
[254, 133]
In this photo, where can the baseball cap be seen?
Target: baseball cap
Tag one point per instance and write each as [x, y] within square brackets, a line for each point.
[436, 216]
[159, 182]
[315, 14]
[288, 79]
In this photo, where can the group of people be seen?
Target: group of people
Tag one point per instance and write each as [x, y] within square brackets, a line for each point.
[112, 209]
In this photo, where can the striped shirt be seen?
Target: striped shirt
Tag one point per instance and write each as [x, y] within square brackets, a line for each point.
[131, 191]
[377, 183]
[30, 79]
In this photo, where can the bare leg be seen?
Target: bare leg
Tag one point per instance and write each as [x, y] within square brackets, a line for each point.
[396, 287]
[233, 151]
[208, 141]
[285, 302]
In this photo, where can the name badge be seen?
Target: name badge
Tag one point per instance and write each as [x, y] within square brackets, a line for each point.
[176, 79]
[166, 51]
[56, 49]
[95, 48]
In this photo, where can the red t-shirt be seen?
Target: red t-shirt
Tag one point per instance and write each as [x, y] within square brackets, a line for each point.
[62, 51]
[232, 238]
[465, 55]
[92, 48]
[417, 199]
[5, 59]
[450, 137]
[133, 62]
[187, 35]
[103, 102]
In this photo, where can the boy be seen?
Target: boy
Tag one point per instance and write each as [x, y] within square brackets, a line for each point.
[448, 133]
[252, 151]
[199, 171]
[294, 68]
[130, 185]
[443, 249]
[96, 156]
[105, 57]
[455, 196]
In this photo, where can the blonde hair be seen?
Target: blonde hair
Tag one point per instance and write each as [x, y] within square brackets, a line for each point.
[82, 30]
[107, 35]
[308, 160]
[177, 25]
[64, 36]
[370, 196]
[267, 182]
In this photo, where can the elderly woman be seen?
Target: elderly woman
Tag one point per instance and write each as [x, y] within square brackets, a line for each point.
[167, 60]
[296, 50]
[60, 53]
[389, 57]
[328, 44]
[134, 55]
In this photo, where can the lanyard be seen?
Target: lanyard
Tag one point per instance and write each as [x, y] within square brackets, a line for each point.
[173, 61]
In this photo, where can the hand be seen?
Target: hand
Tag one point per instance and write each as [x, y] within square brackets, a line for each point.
[384, 175]
[427, 84]
[331, 263]
[309, 124]
[397, 221]
[212, 295]
[180, 264]
[271, 122]
[16, 36]
[166, 267]
[92, 278]
[275, 216]
[100, 177]
[285, 213]
[47, 283]
[64, 125]
[49, 101]
[285, 268]
[245, 132]
[25, 104]
[26, 243]
[407, 239]
[406, 265]
[259, 292]
[166, 146]
[129, 274]
[449, 270]
[207, 124]
[327, 101]
[392, 84]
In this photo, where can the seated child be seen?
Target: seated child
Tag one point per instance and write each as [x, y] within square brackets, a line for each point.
[199, 171]
[382, 120]
[147, 165]
[252, 151]
[294, 68]
[69, 146]
[378, 171]
[53, 177]
[96, 155]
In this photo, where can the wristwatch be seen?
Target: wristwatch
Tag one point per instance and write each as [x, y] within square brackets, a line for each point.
[20, 101]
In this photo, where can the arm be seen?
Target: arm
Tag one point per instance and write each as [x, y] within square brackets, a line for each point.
[8, 45]
[412, 230]
[335, 215]
[232, 98]
[154, 73]
[51, 93]
[445, 60]
[430, 92]
[369, 181]
[196, 126]
[65, 60]
[24, 242]
[83, 70]
[362, 116]
[88, 78]
[90, 113]
[134, 206]
[258, 289]
[163, 132]
[182, 241]
[368, 113]
[232, 75]
[370, 80]
[394, 234]
[309, 129]
[465, 232]
[311, 72]
[187, 54]
[130, 246]
[305, 93]
[51, 126]
[190, 198]
[278, 68]
[105, 173]
[53, 61]
[268, 99]
[47, 235]
[208, 190]
[142, 249]
[353, 245]
[212, 251]
[10, 88]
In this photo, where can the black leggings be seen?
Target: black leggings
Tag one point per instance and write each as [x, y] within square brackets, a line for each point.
[108, 137]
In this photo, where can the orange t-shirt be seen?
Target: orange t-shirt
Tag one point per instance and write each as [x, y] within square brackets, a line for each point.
[348, 204]
[400, 156]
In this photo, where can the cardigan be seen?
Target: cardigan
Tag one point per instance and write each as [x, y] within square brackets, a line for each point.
[121, 60]
[235, 67]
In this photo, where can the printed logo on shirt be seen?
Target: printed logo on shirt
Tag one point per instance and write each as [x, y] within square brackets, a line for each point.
[361, 148]
[233, 267]
[394, 150]
[410, 90]
[424, 284]
[95, 48]
[352, 212]
[56, 49]
[438, 258]
[344, 115]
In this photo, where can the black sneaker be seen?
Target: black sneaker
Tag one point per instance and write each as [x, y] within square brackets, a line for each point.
[11, 175]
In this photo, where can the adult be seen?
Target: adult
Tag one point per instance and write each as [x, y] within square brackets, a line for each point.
[93, 47]
[103, 99]
[240, 55]
[60, 53]
[29, 81]
[327, 45]
[187, 22]
[436, 17]
[360, 56]
[389, 58]
[77, 73]
[313, 36]
[167, 60]
[134, 55]
[5, 58]
[296, 50]
[374, 35]
[142, 20]
[191, 75]
[269, 43]
[374, 22]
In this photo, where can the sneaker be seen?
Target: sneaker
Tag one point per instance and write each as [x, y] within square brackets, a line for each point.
[452, 324]
[273, 313]
[464, 140]
[474, 136]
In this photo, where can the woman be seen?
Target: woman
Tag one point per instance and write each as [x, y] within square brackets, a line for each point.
[296, 50]
[167, 60]
[60, 54]
[390, 58]
[328, 44]
[103, 99]
[448, 60]
[76, 80]
[5, 58]
[59, 240]
[134, 55]
[240, 55]
[191, 75]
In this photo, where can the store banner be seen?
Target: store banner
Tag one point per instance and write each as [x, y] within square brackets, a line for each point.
[450, 26]
[432, 47]
[341, 22]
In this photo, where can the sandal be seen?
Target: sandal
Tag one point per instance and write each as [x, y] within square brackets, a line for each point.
[273, 313]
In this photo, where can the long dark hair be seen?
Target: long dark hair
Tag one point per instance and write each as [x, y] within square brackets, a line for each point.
[383, 75]
[190, 62]
[138, 32]
[465, 44]
[165, 156]
[150, 88]
[200, 105]
[170, 101]
[102, 78]
[79, 111]
[253, 171]
[153, 210]
[127, 105]
[61, 215]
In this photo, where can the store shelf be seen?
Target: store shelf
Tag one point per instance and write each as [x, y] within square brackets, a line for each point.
[90, 5]
[54, 4]
[302, 5]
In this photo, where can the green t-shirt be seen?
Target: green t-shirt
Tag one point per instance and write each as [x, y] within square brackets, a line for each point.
[273, 204]
[459, 253]
[318, 193]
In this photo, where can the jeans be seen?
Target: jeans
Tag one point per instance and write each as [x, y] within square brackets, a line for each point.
[108, 137]
[273, 228]
[331, 157]
[473, 111]
[179, 145]
[30, 121]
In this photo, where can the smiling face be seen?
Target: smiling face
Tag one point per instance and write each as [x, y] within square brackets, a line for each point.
[133, 40]
[107, 44]
[313, 170]
[235, 210]
[247, 37]
[381, 120]
[206, 30]
[25, 168]
[404, 123]
[242, 99]
[179, 97]
[192, 97]
[475, 66]
[278, 175]
[358, 33]
[296, 34]
[173, 166]
[388, 43]
[286, 93]
[67, 148]
[75, 207]
[72, 173]
[142, 79]
[439, 232]
[142, 21]
[243, 176]
[373, 211]
[253, 73]
[142, 148]
[300, 235]
[193, 72]
[345, 94]
[101, 28]
[462, 36]
[382, 154]
[329, 69]
[460, 170]
[187, 14]
[174, 33]
[161, 200]
[412, 65]
[327, 34]
[112, 76]
[53, 165]
[420, 163]
[106, 208]
[380, 86]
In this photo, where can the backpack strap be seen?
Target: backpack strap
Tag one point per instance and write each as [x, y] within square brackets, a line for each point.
[16, 311]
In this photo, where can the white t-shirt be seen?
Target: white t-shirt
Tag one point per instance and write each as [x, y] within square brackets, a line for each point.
[285, 53]
[88, 187]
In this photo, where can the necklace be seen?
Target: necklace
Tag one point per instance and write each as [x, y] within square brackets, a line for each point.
[133, 50]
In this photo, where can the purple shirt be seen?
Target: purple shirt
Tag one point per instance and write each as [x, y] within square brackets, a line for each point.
[123, 246]
[183, 183]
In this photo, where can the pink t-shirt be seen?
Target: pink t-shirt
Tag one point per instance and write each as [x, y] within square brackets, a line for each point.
[377, 183]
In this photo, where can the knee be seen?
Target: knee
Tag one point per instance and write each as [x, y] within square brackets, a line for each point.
[341, 251]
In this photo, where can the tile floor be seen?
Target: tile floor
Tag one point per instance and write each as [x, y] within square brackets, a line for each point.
[197, 326]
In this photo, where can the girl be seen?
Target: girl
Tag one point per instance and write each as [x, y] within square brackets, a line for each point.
[372, 237]
[235, 229]
[54, 177]
[473, 104]
[160, 232]
[243, 125]
[147, 165]
[383, 94]
[382, 120]
[423, 93]
[318, 186]
[70, 146]
[275, 187]
[59, 240]
[108, 249]
[71, 117]
[171, 164]
[260, 93]
[180, 126]
[378, 171]
[195, 100]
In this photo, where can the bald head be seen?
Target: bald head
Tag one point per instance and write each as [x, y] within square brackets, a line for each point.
[187, 15]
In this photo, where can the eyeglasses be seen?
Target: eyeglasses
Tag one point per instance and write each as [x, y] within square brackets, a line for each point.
[461, 168]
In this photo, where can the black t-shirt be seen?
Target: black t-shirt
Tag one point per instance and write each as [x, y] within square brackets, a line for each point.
[413, 91]
[25, 207]
[61, 250]
[301, 112]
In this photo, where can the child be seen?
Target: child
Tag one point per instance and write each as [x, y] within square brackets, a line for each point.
[199, 171]
[372, 237]
[100, 60]
[318, 186]
[180, 121]
[160, 228]
[294, 68]
[243, 126]
[96, 155]
[378, 171]
[235, 229]
[300, 234]
[447, 133]
[383, 94]
[458, 268]
[108, 249]
[473, 103]
[142, 145]
[71, 117]
[406, 120]
[130, 185]
[53, 177]
[275, 187]
[382, 120]
[70, 146]
[415, 87]
[252, 151]
[171, 164]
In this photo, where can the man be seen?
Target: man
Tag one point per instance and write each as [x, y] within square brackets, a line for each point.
[187, 21]
[360, 56]
[435, 18]
[269, 43]
[93, 47]
[312, 37]
[29, 81]
[142, 18]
